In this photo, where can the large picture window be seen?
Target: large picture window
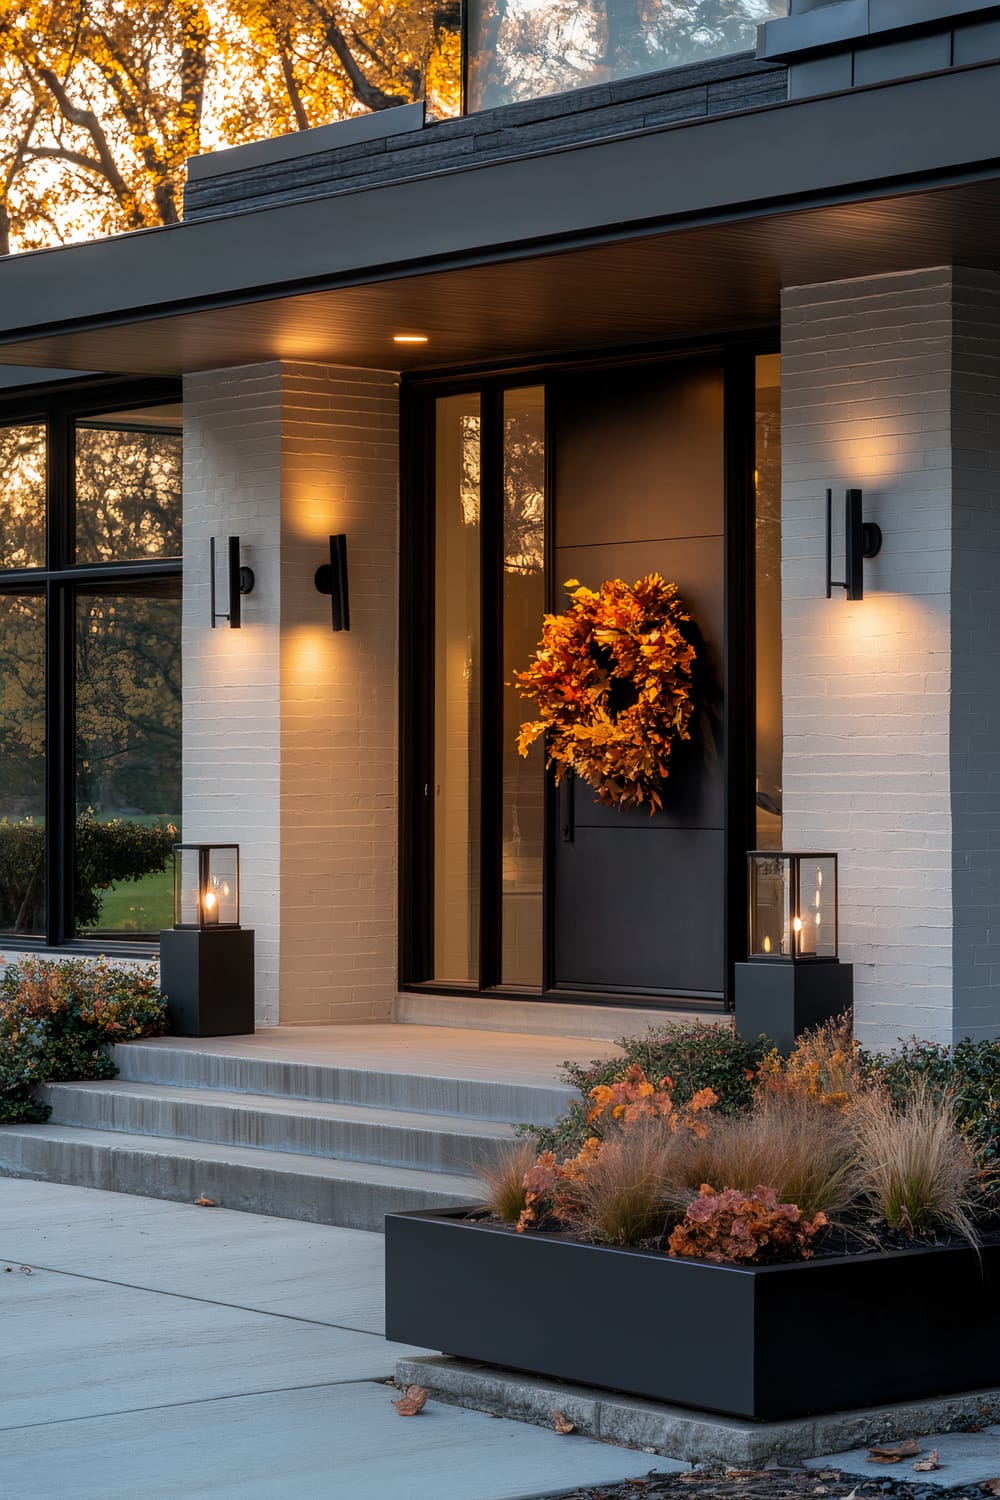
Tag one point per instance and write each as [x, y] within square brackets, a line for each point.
[90, 676]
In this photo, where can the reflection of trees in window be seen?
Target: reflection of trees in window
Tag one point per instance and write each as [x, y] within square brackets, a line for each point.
[128, 704]
[520, 49]
[22, 706]
[22, 496]
[524, 492]
[128, 493]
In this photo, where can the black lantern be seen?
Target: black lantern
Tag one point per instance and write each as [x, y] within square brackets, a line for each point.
[207, 958]
[793, 907]
[206, 885]
[793, 979]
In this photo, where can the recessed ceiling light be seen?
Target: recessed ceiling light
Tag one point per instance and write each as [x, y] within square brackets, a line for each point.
[409, 338]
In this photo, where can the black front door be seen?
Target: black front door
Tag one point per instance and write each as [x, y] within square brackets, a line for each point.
[638, 901]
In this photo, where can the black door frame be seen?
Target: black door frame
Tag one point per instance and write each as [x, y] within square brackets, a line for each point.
[417, 552]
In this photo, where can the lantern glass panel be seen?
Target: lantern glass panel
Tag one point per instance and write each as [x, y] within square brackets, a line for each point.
[793, 906]
[770, 906]
[206, 885]
[816, 906]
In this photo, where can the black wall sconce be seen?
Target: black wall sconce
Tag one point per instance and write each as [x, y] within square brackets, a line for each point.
[241, 581]
[861, 539]
[331, 578]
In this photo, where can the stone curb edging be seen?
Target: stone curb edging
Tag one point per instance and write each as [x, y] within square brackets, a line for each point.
[687, 1436]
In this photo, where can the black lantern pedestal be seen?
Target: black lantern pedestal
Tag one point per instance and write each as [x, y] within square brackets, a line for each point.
[794, 979]
[206, 958]
[783, 1000]
[207, 977]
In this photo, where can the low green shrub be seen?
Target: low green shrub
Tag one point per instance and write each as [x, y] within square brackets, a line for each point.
[106, 853]
[58, 1019]
[694, 1056]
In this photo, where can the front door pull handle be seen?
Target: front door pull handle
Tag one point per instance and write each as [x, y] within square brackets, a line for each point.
[566, 825]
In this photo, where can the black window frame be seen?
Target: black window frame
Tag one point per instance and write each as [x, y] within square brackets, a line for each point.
[58, 409]
[416, 602]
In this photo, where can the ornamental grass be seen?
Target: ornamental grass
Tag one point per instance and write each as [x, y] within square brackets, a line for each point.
[918, 1167]
[504, 1192]
[801, 1151]
[621, 1199]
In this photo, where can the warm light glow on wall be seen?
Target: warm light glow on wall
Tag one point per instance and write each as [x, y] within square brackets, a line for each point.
[308, 653]
[876, 633]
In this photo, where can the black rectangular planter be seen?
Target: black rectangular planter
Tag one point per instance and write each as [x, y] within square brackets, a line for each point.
[762, 1343]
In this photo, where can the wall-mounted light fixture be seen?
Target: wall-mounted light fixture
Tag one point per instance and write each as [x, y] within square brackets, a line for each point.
[861, 539]
[241, 581]
[331, 578]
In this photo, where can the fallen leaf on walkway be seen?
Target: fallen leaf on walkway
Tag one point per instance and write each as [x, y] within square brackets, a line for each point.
[990, 1486]
[893, 1455]
[827, 1473]
[929, 1464]
[561, 1424]
[205, 1203]
[8, 1268]
[413, 1400]
[820, 1489]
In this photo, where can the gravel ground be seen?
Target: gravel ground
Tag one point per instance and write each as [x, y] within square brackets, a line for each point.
[773, 1484]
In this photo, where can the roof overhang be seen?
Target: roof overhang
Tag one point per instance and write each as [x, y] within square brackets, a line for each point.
[658, 234]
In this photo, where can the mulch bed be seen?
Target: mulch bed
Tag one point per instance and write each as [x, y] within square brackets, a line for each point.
[773, 1484]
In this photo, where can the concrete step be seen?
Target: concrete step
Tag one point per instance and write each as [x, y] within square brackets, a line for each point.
[569, 1019]
[355, 1195]
[395, 1138]
[208, 1066]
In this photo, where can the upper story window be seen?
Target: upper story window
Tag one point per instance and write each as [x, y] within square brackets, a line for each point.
[522, 49]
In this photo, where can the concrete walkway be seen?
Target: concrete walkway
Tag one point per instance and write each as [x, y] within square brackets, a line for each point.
[159, 1349]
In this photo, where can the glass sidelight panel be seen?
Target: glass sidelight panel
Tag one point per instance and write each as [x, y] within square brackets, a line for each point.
[523, 608]
[128, 757]
[457, 691]
[22, 764]
[768, 600]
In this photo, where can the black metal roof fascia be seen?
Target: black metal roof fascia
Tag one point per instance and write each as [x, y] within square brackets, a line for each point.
[928, 131]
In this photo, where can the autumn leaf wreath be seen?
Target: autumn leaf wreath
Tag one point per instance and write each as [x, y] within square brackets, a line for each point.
[611, 680]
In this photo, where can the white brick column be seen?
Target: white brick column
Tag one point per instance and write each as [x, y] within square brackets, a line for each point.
[889, 384]
[290, 730]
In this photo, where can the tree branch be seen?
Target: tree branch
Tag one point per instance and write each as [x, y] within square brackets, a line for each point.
[364, 90]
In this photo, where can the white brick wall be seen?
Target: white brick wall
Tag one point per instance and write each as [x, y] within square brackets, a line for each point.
[290, 730]
[868, 369]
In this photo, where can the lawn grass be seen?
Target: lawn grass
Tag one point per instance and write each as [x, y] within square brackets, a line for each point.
[140, 906]
[145, 905]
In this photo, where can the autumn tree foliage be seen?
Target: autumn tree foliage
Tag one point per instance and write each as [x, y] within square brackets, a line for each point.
[103, 101]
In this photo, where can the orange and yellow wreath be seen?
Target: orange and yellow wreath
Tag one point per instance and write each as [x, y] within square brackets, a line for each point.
[612, 682]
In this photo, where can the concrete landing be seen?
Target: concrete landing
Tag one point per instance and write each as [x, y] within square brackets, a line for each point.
[168, 1351]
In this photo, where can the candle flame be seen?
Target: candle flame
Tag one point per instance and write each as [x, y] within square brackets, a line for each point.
[797, 924]
[767, 945]
[210, 900]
